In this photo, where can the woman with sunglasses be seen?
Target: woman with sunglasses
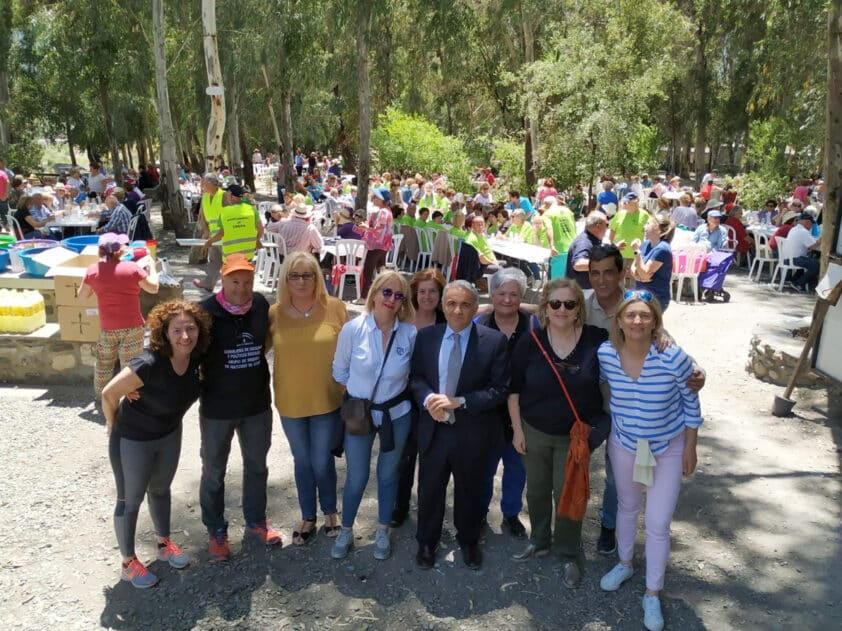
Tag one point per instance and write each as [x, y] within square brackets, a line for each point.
[655, 422]
[542, 417]
[372, 362]
[304, 326]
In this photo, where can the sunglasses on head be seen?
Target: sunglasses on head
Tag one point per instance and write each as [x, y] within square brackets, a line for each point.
[302, 276]
[389, 294]
[568, 304]
[644, 295]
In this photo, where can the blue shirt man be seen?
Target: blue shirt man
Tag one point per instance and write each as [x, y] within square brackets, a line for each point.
[711, 234]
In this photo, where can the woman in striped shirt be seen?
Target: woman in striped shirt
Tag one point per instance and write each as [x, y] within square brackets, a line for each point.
[655, 420]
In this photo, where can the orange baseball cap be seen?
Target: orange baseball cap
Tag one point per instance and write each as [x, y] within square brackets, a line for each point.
[236, 263]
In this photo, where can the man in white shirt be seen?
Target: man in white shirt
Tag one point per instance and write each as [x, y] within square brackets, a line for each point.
[800, 240]
[96, 180]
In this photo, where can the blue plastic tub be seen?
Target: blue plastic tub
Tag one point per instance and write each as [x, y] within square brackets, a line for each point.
[4, 260]
[77, 244]
[30, 266]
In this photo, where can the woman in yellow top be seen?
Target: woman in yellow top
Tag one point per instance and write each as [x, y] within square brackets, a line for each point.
[305, 325]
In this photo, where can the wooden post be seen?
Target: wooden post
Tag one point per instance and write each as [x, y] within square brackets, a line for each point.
[216, 90]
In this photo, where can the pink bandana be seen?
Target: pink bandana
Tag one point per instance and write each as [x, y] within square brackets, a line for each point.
[232, 308]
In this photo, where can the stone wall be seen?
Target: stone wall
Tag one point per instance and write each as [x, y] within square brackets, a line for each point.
[774, 365]
[44, 359]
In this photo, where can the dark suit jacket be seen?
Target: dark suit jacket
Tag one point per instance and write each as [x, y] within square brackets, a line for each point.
[483, 381]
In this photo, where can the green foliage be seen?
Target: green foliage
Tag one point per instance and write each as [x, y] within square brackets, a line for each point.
[24, 155]
[508, 160]
[643, 147]
[756, 187]
[409, 142]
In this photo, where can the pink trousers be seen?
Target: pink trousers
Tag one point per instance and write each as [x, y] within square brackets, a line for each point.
[661, 499]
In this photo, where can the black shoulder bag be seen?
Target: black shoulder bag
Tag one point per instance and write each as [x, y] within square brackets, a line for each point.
[356, 412]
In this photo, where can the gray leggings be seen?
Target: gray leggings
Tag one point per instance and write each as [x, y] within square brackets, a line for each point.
[142, 466]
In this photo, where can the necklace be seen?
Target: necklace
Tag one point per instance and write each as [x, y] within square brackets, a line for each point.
[306, 313]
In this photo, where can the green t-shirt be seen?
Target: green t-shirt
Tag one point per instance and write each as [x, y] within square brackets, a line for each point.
[459, 232]
[480, 244]
[523, 232]
[434, 225]
[628, 226]
[564, 227]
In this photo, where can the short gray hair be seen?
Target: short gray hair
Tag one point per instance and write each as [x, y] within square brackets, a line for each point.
[461, 284]
[507, 275]
[520, 212]
[594, 218]
[211, 178]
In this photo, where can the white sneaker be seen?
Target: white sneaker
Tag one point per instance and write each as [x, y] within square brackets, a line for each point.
[653, 619]
[618, 575]
[382, 545]
[344, 542]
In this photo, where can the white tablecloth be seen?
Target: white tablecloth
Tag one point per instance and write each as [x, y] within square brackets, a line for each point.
[522, 251]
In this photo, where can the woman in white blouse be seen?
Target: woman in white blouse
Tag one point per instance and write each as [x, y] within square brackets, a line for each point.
[385, 330]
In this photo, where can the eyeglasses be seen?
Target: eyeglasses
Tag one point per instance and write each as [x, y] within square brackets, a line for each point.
[568, 304]
[388, 294]
[301, 276]
[644, 295]
[631, 317]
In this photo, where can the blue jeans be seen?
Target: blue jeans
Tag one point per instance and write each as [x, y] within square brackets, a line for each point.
[608, 514]
[255, 434]
[358, 457]
[311, 439]
[811, 271]
[513, 483]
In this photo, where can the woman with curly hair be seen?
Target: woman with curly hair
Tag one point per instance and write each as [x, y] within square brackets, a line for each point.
[143, 407]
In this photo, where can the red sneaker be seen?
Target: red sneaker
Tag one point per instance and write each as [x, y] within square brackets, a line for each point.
[218, 546]
[264, 533]
[137, 574]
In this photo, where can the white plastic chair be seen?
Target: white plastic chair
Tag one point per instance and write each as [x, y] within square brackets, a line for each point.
[132, 227]
[263, 208]
[392, 255]
[425, 248]
[731, 241]
[269, 258]
[785, 263]
[686, 266]
[14, 225]
[763, 254]
[453, 240]
[350, 253]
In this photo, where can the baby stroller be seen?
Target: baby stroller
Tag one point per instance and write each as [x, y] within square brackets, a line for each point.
[712, 279]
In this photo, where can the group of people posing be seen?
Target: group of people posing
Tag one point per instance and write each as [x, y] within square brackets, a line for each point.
[454, 386]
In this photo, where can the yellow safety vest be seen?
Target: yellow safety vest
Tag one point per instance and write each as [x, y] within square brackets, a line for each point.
[211, 209]
[238, 222]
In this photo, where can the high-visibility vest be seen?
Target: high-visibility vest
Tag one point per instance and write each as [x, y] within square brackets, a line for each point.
[211, 209]
[238, 222]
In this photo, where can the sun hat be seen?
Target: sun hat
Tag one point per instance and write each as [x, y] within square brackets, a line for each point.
[236, 262]
[302, 211]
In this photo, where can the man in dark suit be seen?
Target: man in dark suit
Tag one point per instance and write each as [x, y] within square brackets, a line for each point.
[459, 378]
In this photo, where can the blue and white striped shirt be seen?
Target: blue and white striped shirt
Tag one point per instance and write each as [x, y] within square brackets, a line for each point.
[658, 405]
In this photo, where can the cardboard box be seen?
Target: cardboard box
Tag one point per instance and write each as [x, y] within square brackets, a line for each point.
[78, 324]
[69, 276]
[68, 280]
[55, 257]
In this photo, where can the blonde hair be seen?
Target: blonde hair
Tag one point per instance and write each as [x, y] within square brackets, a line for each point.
[407, 312]
[617, 336]
[561, 283]
[309, 261]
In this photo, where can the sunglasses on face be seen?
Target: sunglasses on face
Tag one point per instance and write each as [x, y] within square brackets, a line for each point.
[388, 294]
[555, 305]
[301, 276]
[644, 295]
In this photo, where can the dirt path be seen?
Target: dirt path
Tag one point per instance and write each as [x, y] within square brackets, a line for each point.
[755, 538]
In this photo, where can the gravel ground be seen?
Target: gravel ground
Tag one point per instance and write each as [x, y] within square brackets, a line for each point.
[755, 537]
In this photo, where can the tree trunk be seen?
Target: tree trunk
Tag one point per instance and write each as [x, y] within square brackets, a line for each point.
[216, 124]
[531, 124]
[69, 142]
[172, 210]
[528, 163]
[235, 155]
[833, 132]
[105, 101]
[141, 151]
[4, 102]
[278, 143]
[248, 166]
[287, 158]
[364, 98]
[701, 87]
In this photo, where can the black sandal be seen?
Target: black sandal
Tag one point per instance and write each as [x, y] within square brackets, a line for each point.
[332, 525]
[301, 537]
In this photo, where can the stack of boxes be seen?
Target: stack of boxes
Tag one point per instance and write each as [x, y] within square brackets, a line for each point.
[78, 318]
